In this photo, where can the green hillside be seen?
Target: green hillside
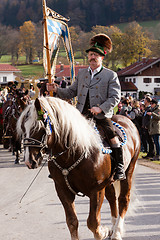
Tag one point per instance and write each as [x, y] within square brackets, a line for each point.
[145, 24]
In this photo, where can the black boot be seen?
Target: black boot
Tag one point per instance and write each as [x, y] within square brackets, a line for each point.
[118, 157]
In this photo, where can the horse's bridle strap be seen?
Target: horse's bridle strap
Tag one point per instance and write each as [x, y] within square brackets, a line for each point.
[31, 142]
[65, 172]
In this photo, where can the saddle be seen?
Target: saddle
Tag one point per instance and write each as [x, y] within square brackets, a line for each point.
[106, 142]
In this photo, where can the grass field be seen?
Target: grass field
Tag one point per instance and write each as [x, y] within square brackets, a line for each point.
[29, 71]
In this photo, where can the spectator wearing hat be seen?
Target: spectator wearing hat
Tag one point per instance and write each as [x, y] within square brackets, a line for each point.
[154, 130]
[98, 91]
[146, 127]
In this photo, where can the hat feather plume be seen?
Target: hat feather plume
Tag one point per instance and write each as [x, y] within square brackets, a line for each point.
[103, 40]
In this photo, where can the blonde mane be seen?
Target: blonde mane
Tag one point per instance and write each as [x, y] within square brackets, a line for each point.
[70, 127]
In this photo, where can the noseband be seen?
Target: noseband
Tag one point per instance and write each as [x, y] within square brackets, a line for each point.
[31, 142]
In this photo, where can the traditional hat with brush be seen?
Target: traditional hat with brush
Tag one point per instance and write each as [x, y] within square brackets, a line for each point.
[101, 44]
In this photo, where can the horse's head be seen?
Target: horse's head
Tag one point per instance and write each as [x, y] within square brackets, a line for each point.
[31, 126]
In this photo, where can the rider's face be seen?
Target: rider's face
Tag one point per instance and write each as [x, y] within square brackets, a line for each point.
[94, 59]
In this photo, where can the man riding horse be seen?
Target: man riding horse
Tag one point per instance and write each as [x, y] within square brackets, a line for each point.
[98, 91]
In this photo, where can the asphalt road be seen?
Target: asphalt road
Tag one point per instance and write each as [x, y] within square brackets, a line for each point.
[40, 215]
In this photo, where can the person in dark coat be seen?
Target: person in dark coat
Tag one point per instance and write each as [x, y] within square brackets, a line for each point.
[154, 130]
[146, 127]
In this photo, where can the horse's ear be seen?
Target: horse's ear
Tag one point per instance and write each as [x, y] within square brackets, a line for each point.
[37, 104]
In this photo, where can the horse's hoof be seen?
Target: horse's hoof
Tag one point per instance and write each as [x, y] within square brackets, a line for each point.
[17, 162]
[110, 233]
[116, 236]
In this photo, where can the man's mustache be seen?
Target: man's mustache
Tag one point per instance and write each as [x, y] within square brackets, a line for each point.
[92, 59]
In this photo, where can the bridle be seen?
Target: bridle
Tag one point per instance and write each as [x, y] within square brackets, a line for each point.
[31, 142]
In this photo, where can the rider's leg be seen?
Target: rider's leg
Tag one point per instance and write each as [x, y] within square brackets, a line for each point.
[117, 152]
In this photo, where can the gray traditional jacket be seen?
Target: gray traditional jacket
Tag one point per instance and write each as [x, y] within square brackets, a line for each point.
[104, 91]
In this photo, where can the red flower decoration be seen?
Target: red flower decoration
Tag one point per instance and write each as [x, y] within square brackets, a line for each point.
[105, 52]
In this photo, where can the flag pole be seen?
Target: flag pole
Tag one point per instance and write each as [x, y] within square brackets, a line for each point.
[47, 45]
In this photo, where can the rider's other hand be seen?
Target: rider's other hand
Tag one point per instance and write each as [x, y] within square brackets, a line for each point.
[95, 110]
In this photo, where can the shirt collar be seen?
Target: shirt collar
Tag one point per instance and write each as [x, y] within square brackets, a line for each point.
[94, 71]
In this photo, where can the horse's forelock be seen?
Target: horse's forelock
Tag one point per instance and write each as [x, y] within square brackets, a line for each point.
[27, 119]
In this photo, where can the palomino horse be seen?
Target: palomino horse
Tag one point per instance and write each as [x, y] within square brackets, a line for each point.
[76, 162]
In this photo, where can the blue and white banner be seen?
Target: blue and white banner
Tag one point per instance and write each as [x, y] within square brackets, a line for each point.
[57, 29]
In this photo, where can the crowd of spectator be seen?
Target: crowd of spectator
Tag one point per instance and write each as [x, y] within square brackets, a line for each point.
[145, 114]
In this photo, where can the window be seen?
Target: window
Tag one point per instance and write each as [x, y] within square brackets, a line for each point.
[126, 80]
[130, 80]
[157, 80]
[4, 79]
[134, 80]
[147, 80]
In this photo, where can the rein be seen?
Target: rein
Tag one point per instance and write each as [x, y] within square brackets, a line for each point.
[66, 171]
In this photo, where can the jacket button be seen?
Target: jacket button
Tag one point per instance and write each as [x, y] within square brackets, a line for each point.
[96, 87]
[80, 94]
[86, 76]
[96, 96]
[97, 78]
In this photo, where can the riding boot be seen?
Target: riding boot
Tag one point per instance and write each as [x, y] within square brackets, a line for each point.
[117, 154]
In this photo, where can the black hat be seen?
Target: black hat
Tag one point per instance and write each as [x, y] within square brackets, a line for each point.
[100, 43]
[154, 101]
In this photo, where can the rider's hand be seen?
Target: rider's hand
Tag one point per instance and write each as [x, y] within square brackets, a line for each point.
[52, 87]
[95, 110]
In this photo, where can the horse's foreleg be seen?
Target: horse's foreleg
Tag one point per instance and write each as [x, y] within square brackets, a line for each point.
[110, 195]
[94, 218]
[123, 202]
[17, 147]
[67, 200]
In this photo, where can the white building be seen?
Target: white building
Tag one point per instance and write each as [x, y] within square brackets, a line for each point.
[145, 75]
[7, 73]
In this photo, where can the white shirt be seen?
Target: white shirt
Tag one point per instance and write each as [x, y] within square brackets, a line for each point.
[94, 71]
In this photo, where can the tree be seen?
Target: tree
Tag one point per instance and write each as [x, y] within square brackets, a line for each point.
[27, 39]
[3, 40]
[13, 44]
[38, 43]
[135, 44]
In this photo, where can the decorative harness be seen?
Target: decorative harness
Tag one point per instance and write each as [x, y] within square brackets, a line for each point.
[31, 142]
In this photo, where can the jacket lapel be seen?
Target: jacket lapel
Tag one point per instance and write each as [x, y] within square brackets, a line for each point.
[87, 78]
[95, 80]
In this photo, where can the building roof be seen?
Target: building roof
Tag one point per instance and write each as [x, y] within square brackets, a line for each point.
[128, 86]
[138, 67]
[64, 70]
[5, 67]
